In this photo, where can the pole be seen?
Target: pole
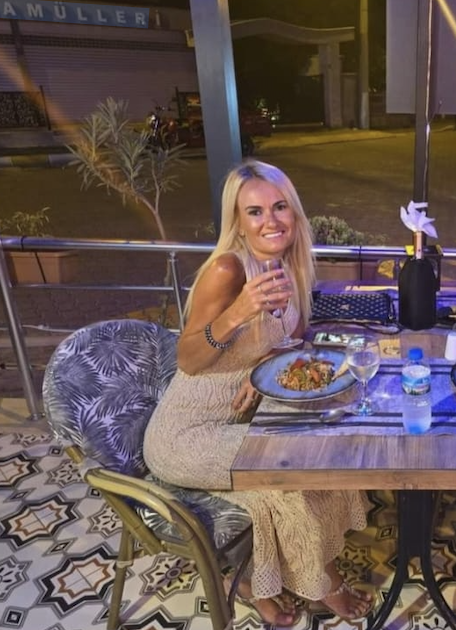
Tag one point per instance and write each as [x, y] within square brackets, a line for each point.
[363, 65]
[17, 339]
[423, 97]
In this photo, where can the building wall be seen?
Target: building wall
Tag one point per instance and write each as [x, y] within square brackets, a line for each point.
[78, 66]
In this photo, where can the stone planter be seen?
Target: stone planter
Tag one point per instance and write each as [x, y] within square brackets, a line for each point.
[346, 270]
[42, 267]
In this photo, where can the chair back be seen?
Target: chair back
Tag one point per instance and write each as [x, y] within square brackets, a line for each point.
[101, 386]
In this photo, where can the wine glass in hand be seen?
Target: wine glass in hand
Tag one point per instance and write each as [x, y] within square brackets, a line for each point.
[363, 360]
[287, 341]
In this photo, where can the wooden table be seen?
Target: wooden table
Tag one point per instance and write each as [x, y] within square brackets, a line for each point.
[416, 466]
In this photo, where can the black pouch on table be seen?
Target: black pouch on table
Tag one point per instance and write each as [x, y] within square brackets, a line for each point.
[375, 308]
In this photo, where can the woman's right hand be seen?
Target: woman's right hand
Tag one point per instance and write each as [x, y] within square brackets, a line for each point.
[223, 299]
[265, 292]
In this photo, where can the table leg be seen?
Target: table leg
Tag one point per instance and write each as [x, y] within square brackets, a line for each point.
[428, 506]
[415, 522]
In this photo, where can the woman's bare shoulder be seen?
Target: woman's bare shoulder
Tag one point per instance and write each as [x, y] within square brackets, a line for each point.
[227, 264]
[224, 274]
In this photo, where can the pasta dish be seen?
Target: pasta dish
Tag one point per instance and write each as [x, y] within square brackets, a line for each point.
[306, 374]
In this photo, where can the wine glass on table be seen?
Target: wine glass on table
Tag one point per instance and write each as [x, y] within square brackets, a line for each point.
[363, 359]
[287, 341]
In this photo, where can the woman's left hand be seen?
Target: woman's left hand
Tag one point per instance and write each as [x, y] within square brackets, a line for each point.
[246, 397]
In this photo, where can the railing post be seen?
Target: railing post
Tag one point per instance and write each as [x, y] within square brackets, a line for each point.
[172, 258]
[396, 269]
[17, 340]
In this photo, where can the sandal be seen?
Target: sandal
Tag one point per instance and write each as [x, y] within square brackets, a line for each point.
[356, 613]
[283, 617]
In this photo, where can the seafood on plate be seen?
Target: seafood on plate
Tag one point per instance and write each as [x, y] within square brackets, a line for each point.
[307, 373]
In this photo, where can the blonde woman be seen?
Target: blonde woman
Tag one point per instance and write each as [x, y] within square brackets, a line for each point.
[193, 436]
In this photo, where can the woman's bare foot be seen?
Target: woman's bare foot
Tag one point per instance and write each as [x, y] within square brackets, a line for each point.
[269, 610]
[348, 602]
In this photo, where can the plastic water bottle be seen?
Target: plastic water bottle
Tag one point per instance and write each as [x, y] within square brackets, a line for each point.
[416, 397]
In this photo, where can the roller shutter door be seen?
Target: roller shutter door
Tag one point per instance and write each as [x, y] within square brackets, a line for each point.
[10, 76]
[76, 79]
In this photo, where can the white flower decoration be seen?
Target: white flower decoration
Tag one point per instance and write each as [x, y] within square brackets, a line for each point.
[416, 220]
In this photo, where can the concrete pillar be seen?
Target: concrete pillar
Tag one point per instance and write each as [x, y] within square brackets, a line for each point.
[217, 86]
[331, 69]
[363, 65]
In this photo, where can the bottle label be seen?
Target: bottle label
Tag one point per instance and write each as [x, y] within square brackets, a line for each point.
[416, 386]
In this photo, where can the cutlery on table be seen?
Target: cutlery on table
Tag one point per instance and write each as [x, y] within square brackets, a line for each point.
[330, 416]
[296, 428]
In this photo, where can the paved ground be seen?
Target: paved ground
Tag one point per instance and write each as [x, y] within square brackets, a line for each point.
[330, 158]
[46, 148]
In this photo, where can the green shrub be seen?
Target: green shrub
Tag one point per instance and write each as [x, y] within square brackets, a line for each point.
[26, 223]
[331, 230]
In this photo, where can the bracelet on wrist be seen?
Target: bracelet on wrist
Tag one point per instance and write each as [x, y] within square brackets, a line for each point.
[218, 345]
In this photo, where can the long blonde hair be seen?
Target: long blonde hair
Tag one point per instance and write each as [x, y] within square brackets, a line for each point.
[298, 258]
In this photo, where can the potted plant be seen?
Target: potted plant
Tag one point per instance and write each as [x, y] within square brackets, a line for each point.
[108, 152]
[36, 267]
[332, 230]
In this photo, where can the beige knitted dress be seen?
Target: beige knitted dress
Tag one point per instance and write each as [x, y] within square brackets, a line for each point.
[192, 440]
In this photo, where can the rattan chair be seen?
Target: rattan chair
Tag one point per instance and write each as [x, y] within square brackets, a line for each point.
[100, 388]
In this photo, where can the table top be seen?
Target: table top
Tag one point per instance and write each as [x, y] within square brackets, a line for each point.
[319, 460]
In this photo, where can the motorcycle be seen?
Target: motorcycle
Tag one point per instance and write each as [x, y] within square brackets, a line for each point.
[163, 131]
[166, 132]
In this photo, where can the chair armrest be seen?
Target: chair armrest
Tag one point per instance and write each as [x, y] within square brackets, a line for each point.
[152, 496]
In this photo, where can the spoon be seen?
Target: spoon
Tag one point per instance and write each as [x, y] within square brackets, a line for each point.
[328, 416]
[331, 416]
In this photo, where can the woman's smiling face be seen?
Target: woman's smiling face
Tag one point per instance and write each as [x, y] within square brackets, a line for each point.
[265, 219]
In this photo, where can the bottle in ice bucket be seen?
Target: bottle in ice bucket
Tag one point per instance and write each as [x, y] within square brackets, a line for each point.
[417, 285]
[416, 393]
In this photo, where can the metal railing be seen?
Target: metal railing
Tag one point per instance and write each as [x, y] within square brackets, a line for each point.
[169, 249]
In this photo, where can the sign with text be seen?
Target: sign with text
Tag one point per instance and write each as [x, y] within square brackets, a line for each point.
[74, 13]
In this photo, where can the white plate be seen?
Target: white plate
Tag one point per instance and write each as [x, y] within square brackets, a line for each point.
[264, 376]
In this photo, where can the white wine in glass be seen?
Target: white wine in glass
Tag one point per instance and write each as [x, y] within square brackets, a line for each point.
[363, 360]
[287, 341]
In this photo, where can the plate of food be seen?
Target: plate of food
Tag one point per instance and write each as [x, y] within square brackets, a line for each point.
[298, 375]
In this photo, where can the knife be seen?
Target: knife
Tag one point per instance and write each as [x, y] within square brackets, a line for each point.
[304, 427]
[286, 422]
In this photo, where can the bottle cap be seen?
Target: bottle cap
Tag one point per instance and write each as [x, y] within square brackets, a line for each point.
[415, 354]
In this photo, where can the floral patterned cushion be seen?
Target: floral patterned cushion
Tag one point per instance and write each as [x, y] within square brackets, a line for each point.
[223, 520]
[100, 388]
[102, 384]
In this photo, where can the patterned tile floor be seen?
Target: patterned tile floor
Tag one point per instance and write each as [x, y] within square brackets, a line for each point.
[58, 542]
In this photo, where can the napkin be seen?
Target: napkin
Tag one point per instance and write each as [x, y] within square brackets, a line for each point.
[417, 220]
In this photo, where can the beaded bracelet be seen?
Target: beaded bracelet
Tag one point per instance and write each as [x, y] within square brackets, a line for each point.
[212, 342]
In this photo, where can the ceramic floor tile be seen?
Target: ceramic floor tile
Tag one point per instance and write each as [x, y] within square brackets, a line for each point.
[58, 542]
